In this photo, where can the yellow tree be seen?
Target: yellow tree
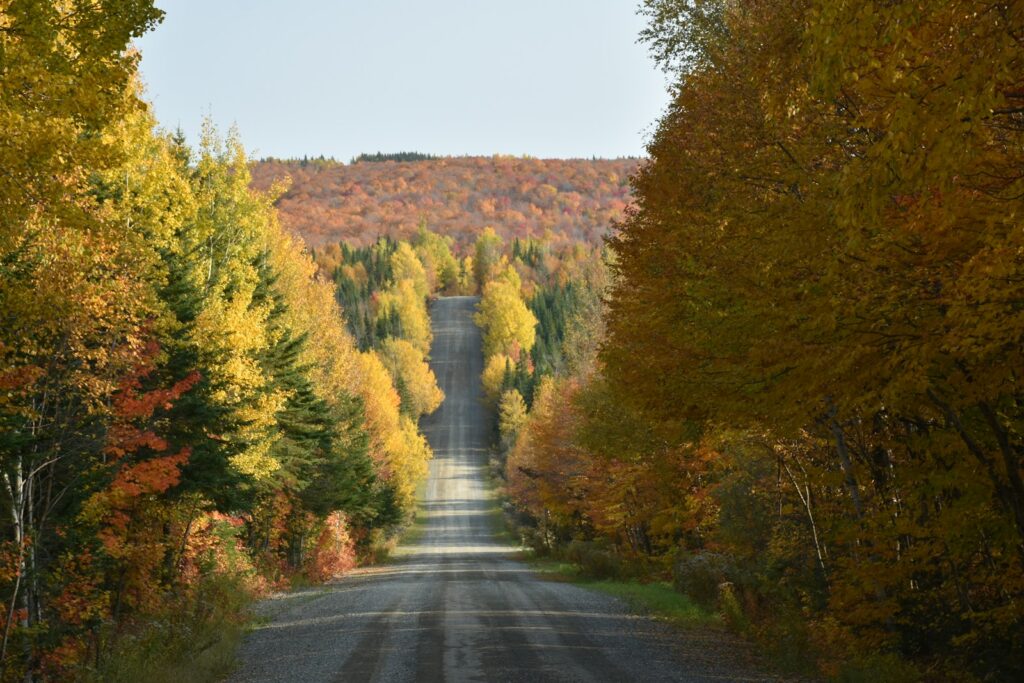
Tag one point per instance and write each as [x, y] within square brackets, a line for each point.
[399, 451]
[508, 325]
[497, 366]
[74, 289]
[435, 253]
[414, 379]
[406, 265]
[512, 415]
[411, 309]
[486, 256]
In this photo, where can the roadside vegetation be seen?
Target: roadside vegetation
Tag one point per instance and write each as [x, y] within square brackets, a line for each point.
[786, 395]
[187, 421]
[795, 393]
[658, 599]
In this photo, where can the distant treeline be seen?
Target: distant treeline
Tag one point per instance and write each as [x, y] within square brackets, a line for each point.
[397, 156]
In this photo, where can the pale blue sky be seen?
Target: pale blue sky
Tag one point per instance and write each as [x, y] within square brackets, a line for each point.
[548, 78]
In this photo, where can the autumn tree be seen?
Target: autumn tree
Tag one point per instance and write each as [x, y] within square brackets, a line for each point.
[414, 379]
[506, 322]
[807, 272]
[438, 261]
[486, 256]
[511, 417]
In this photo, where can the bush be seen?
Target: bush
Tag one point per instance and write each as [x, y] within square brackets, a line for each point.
[699, 576]
[194, 639]
[731, 609]
[879, 668]
[595, 559]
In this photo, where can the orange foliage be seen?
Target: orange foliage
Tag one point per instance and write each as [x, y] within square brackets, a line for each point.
[334, 552]
[330, 202]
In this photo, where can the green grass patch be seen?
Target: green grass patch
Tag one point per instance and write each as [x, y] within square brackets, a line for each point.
[657, 599]
[414, 532]
[501, 526]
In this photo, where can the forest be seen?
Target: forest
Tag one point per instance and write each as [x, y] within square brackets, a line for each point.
[380, 195]
[804, 408]
[777, 365]
[186, 422]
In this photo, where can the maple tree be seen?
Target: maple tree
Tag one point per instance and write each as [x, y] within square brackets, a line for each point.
[184, 417]
[807, 387]
[569, 200]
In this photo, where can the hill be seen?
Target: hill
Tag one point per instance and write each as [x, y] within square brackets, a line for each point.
[329, 201]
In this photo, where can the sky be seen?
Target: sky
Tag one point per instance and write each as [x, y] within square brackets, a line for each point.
[546, 78]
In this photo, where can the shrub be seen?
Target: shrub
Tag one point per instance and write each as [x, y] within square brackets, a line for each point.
[595, 559]
[699, 575]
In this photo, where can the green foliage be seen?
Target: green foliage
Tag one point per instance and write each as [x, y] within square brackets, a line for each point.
[184, 420]
[368, 271]
[486, 257]
[398, 156]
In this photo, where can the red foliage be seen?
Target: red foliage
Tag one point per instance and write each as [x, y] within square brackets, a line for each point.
[329, 202]
[334, 553]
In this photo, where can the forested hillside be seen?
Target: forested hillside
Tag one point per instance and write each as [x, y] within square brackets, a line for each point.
[805, 408]
[329, 202]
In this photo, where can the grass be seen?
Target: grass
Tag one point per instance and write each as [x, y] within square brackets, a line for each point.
[165, 656]
[657, 599]
[193, 642]
[500, 525]
[412, 533]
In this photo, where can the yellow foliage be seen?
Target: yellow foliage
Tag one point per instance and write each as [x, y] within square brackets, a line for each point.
[494, 374]
[381, 403]
[397, 447]
[511, 416]
[412, 313]
[409, 455]
[405, 265]
[509, 327]
[408, 367]
[313, 311]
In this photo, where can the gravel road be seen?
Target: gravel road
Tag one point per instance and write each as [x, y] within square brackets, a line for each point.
[455, 605]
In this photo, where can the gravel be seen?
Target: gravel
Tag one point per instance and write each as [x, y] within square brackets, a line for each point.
[456, 605]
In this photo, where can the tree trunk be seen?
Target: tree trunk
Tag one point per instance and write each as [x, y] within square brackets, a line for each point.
[843, 451]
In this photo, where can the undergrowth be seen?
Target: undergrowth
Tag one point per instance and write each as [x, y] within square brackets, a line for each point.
[195, 643]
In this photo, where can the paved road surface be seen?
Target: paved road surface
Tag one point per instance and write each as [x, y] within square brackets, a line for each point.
[455, 606]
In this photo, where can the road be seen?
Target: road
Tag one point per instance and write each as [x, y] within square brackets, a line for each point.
[455, 605]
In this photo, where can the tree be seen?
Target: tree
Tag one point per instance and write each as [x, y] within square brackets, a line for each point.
[486, 256]
[438, 261]
[508, 325]
[409, 311]
[405, 265]
[74, 296]
[808, 272]
[511, 417]
[497, 367]
[407, 365]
